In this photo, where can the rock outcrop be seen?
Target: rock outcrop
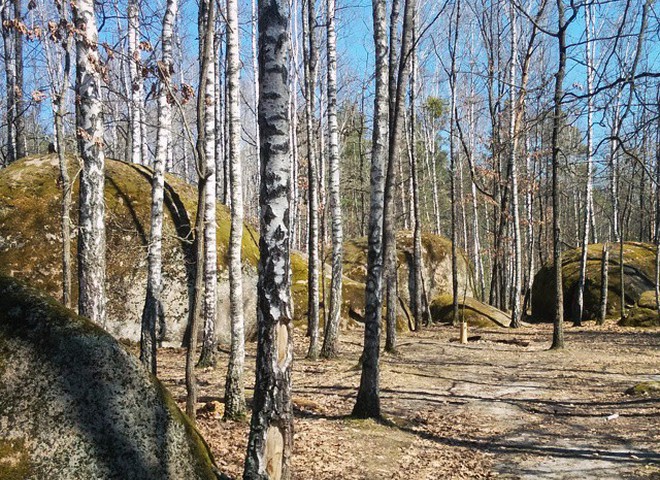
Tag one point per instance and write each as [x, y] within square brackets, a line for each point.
[436, 252]
[75, 404]
[30, 242]
[639, 268]
[476, 313]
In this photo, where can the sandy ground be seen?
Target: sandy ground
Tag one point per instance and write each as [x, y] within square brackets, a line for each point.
[483, 410]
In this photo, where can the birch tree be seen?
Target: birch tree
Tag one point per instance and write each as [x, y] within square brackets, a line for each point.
[513, 168]
[209, 345]
[89, 130]
[234, 394]
[331, 338]
[271, 428]
[311, 60]
[367, 404]
[579, 309]
[153, 306]
[136, 83]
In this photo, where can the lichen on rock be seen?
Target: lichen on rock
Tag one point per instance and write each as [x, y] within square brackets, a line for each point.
[639, 268]
[75, 404]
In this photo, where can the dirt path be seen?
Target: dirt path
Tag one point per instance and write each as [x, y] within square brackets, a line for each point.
[483, 410]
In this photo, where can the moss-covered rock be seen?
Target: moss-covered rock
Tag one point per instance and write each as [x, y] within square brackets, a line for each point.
[31, 250]
[645, 388]
[639, 267]
[436, 252]
[75, 404]
[641, 317]
[476, 313]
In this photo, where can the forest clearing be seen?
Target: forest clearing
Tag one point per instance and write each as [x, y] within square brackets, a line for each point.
[483, 410]
[329, 239]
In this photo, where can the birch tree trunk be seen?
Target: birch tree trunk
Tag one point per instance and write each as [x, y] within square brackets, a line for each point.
[368, 398]
[234, 391]
[153, 307]
[89, 124]
[513, 167]
[209, 343]
[271, 428]
[331, 340]
[452, 168]
[579, 308]
[312, 180]
[604, 278]
[135, 73]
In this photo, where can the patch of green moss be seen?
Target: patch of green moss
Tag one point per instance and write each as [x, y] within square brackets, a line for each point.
[641, 317]
[644, 388]
[205, 466]
[14, 460]
[442, 310]
[639, 258]
[30, 203]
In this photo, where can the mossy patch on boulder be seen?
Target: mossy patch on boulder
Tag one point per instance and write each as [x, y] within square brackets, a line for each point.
[31, 250]
[645, 388]
[436, 252]
[476, 313]
[641, 317]
[74, 403]
[638, 270]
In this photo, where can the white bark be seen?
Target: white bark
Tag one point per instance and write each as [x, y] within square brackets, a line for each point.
[210, 228]
[271, 427]
[91, 224]
[578, 314]
[513, 140]
[234, 395]
[136, 83]
[153, 307]
[331, 340]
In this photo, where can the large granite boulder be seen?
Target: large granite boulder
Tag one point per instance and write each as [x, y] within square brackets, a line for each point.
[75, 404]
[436, 253]
[474, 312]
[31, 245]
[639, 272]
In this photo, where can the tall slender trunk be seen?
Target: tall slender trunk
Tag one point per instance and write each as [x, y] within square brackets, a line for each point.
[153, 306]
[206, 28]
[452, 166]
[557, 121]
[331, 341]
[579, 309]
[136, 84]
[271, 428]
[209, 342]
[389, 226]
[234, 391]
[91, 213]
[604, 278]
[513, 168]
[9, 38]
[19, 118]
[656, 235]
[367, 404]
[312, 180]
[417, 233]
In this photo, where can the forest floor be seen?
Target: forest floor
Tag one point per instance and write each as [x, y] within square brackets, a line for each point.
[482, 410]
